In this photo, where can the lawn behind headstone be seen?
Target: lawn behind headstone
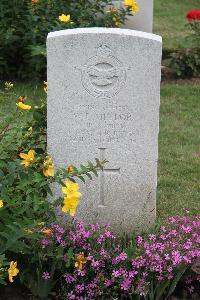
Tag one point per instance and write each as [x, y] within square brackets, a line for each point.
[170, 22]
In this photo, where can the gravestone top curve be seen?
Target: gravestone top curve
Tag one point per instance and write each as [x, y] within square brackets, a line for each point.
[102, 30]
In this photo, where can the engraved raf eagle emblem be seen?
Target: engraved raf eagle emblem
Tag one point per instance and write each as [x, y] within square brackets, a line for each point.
[103, 75]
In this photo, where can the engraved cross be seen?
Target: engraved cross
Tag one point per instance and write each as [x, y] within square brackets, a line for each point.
[102, 177]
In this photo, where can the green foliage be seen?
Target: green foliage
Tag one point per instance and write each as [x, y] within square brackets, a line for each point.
[194, 37]
[3, 269]
[25, 25]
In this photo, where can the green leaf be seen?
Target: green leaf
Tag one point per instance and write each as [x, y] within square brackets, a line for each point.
[70, 253]
[83, 168]
[160, 289]
[95, 172]
[75, 171]
[81, 178]
[89, 175]
[176, 279]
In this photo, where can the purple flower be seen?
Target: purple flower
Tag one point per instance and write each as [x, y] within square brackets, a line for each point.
[79, 288]
[132, 274]
[186, 229]
[139, 240]
[152, 237]
[95, 264]
[58, 228]
[122, 256]
[46, 275]
[71, 296]
[116, 273]
[95, 227]
[177, 258]
[126, 284]
[81, 272]
[69, 278]
[108, 282]
[44, 243]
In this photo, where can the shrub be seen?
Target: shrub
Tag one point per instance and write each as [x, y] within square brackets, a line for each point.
[186, 62]
[25, 25]
[26, 172]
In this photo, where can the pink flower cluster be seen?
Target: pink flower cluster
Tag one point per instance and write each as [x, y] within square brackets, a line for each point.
[131, 268]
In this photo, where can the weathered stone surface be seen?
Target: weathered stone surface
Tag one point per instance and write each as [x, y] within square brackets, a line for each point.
[143, 20]
[103, 101]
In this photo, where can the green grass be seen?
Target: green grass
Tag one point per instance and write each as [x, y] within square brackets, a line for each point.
[179, 145]
[179, 151]
[169, 20]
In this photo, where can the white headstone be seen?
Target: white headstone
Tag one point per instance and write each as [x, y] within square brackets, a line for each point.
[103, 102]
[142, 20]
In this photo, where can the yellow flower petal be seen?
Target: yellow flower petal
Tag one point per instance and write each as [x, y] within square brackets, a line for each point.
[12, 271]
[65, 19]
[1, 204]
[28, 159]
[132, 4]
[65, 208]
[23, 155]
[31, 154]
[48, 172]
[72, 212]
[64, 190]
[23, 106]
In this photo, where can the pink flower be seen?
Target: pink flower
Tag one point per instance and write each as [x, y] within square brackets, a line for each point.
[46, 275]
[126, 284]
[116, 273]
[108, 282]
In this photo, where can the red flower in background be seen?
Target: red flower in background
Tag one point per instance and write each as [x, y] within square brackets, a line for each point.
[193, 15]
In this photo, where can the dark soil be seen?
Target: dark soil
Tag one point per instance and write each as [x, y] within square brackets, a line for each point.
[18, 293]
[170, 77]
[189, 81]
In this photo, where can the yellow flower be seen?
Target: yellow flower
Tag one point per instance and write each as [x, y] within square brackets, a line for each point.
[70, 205]
[80, 261]
[71, 189]
[65, 19]
[23, 106]
[28, 159]
[12, 271]
[71, 201]
[8, 85]
[1, 203]
[132, 4]
[45, 86]
[34, 1]
[48, 167]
